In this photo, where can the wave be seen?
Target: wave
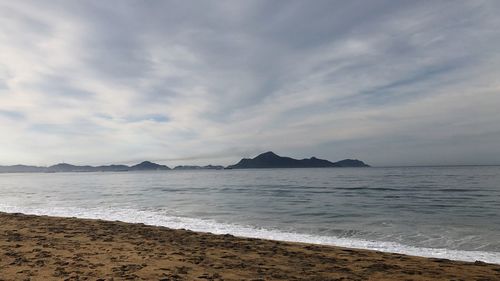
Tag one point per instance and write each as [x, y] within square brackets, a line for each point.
[162, 218]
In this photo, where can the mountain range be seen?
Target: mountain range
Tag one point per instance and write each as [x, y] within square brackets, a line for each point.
[271, 160]
[192, 167]
[65, 167]
[264, 160]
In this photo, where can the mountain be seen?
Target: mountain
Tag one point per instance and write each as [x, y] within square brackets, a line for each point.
[113, 168]
[65, 168]
[146, 165]
[271, 160]
[22, 169]
[264, 160]
[351, 163]
[208, 167]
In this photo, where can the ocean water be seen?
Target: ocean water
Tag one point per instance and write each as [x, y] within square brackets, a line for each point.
[445, 212]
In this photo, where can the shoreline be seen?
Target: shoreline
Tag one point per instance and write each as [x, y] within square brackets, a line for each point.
[88, 249]
[217, 228]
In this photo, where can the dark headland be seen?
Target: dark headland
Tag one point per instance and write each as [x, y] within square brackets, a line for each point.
[271, 160]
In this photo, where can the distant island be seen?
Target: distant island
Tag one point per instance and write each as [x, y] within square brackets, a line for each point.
[264, 160]
[271, 160]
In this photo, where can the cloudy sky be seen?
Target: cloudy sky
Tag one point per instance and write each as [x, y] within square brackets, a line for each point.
[177, 82]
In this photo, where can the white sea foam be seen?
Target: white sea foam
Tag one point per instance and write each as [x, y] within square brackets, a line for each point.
[158, 218]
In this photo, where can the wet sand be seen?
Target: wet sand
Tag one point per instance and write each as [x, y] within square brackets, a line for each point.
[51, 248]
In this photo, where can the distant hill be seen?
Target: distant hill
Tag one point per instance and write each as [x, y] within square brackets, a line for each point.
[351, 163]
[65, 168]
[191, 167]
[271, 160]
[113, 168]
[22, 169]
[146, 165]
[264, 160]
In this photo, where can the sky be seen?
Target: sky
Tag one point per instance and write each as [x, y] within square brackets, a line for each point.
[210, 82]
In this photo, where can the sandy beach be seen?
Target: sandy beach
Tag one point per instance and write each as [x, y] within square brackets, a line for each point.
[52, 248]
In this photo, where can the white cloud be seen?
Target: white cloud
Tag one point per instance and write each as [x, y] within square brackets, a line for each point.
[99, 82]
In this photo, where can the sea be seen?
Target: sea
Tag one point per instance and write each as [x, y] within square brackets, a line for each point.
[441, 212]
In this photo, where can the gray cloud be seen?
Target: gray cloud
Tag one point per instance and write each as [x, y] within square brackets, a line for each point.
[392, 83]
[14, 115]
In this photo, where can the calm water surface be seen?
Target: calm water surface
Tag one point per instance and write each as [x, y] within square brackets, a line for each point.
[450, 212]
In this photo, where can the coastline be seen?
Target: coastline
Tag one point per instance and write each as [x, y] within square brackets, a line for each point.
[43, 247]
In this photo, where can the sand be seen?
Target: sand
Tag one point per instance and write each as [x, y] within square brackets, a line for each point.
[51, 248]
